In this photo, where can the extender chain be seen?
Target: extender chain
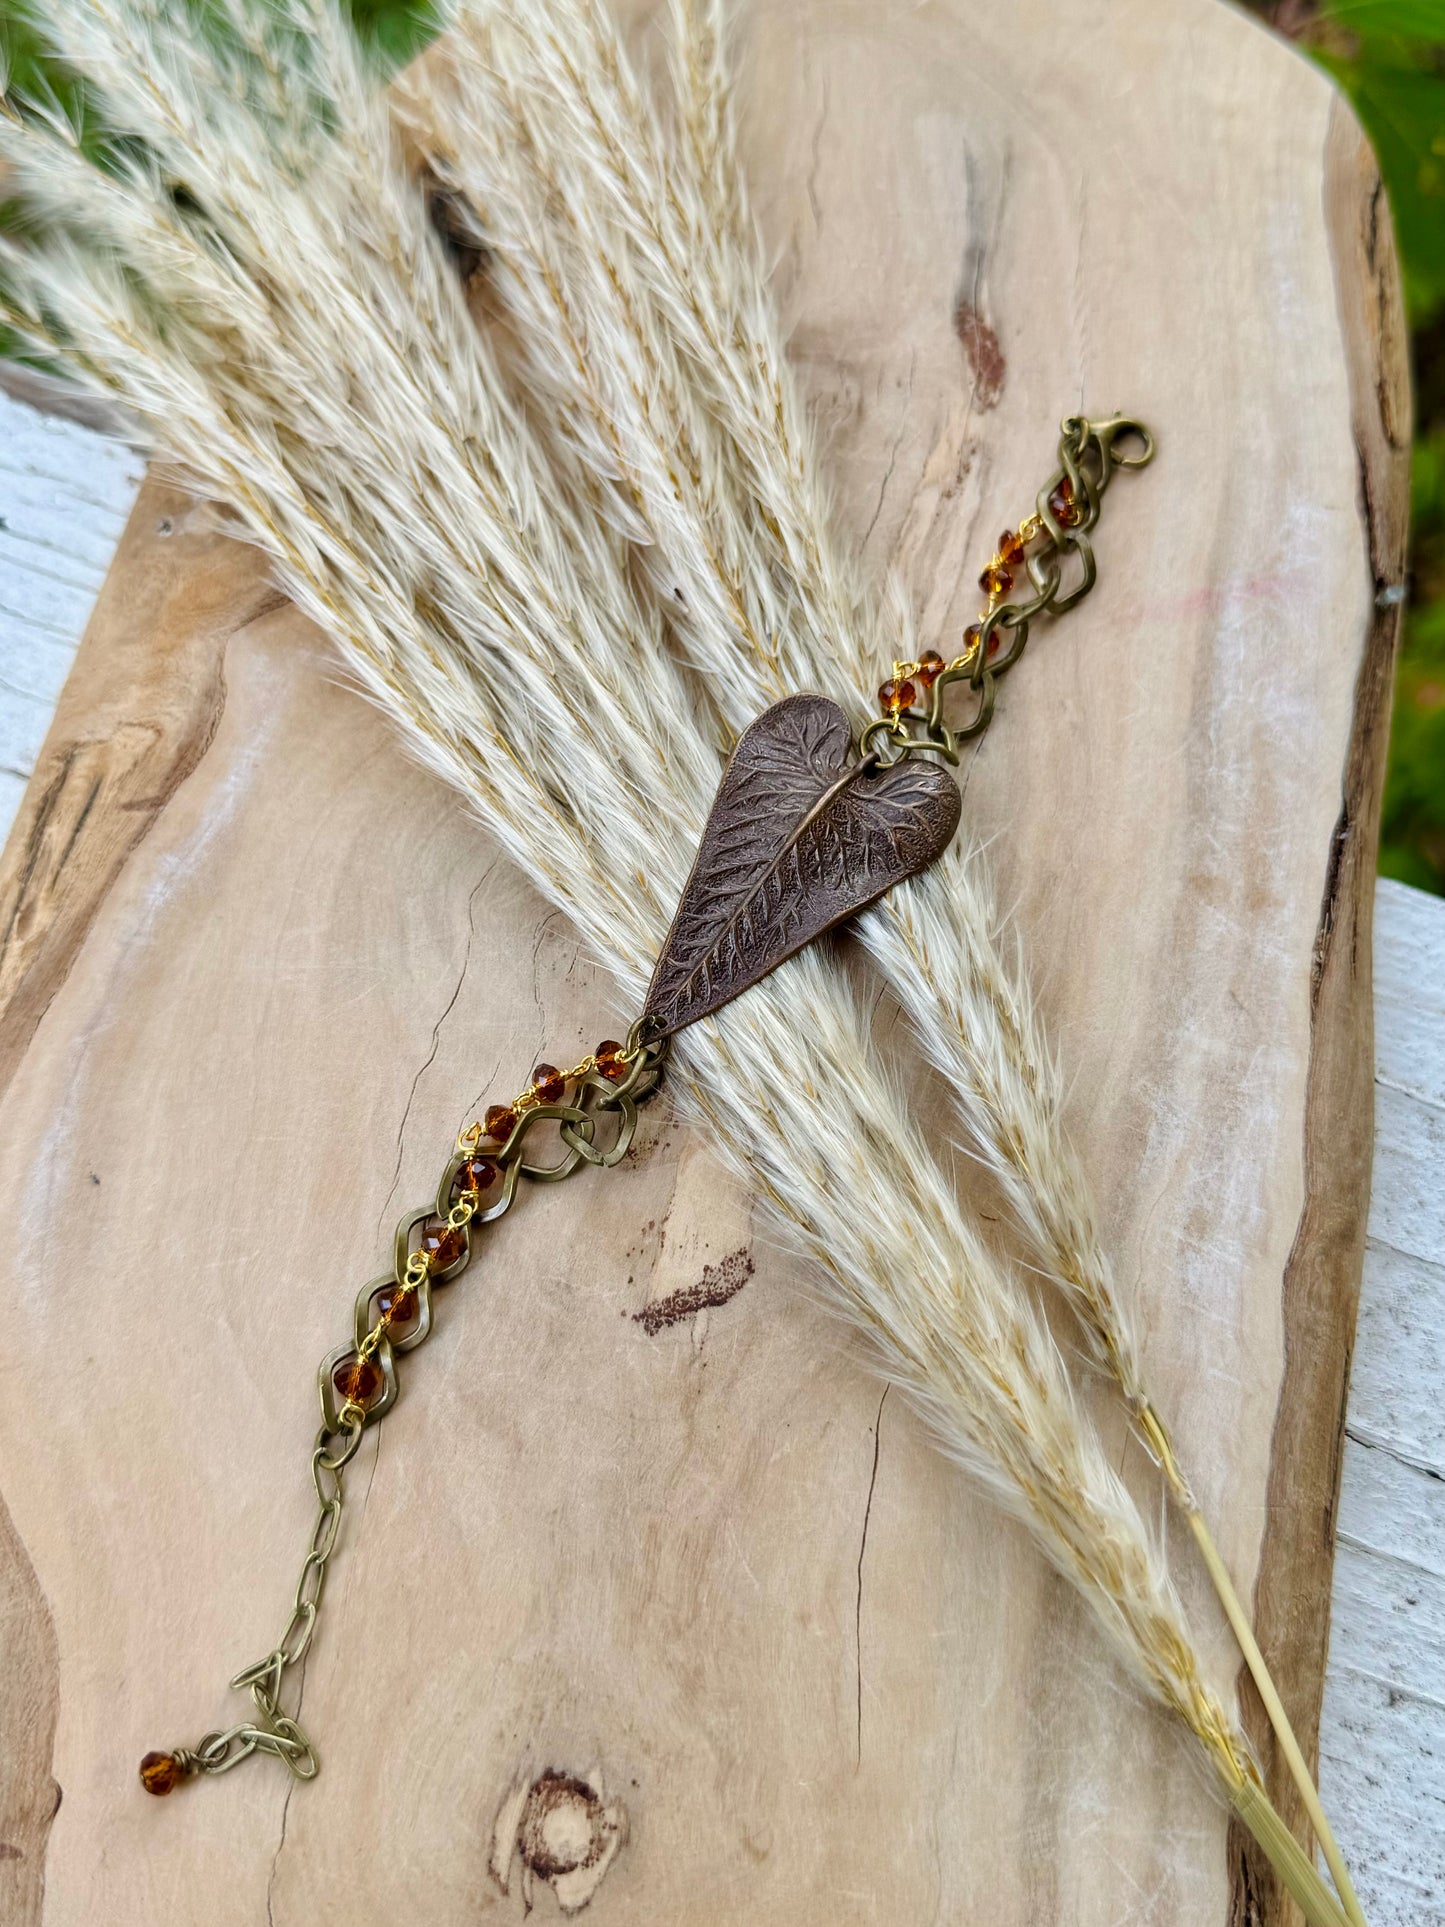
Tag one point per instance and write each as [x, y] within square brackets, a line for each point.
[359, 1381]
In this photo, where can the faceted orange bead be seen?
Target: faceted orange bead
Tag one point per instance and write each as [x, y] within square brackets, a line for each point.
[442, 1243]
[160, 1773]
[970, 638]
[358, 1380]
[995, 581]
[930, 667]
[478, 1174]
[500, 1121]
[548, 1083]
[896, 695]
[399, 1305]
[610, 1061]
[1010, 549]
[1066, 510]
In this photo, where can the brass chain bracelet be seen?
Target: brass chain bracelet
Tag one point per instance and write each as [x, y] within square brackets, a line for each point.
[358, 1381]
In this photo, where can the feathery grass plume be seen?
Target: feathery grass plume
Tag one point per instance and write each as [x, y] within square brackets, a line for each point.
[647, 247]
[269, 296]
[340, 482]
[601, 232]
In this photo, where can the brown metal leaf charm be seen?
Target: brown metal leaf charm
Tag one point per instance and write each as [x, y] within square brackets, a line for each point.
[801, 836]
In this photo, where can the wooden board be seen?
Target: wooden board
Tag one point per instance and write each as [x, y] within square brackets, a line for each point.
[259, 969]
[1382, 1726]
[64, 497]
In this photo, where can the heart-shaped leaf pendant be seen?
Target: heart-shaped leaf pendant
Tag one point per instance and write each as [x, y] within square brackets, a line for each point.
[801, 836]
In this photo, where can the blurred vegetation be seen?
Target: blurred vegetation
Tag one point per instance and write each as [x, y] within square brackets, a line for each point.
[1389, 56]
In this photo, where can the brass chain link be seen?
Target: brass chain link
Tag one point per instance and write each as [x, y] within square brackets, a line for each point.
[1089, 453]
[450, 1223]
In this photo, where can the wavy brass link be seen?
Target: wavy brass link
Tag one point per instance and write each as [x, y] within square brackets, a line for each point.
[885, 741]
[511, 1177]
[382, 1355]
[1019, 631]
[363, 1322]
[961, 732]
[1089, 452]
[562, 1114]
[401, 1242]
[1081, 546]
[610, 1098]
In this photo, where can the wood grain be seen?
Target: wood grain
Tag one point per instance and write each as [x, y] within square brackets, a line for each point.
[1382, 1729]
[133, 720]
[1322, 1276]
[130, 726]
[697, 1582]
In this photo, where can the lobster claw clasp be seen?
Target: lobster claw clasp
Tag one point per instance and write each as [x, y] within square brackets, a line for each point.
[1122, 428]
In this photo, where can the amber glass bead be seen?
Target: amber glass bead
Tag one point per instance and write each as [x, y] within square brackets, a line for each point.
[896, 695]
[358, 1380]
[443, 1243]
[1010, 549]
[478, 1174]
[548, 1083]
[399, 1305]
[610, 1061]
[970, 638]
[160, 1773]
[930, 668]
[995, 581]
[500, 1122]
[1065, 509]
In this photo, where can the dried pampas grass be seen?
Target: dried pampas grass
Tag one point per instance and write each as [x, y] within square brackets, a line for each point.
[293, 334]
[603, 231]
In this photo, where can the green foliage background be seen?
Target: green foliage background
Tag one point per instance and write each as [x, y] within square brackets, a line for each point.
[1389, 56]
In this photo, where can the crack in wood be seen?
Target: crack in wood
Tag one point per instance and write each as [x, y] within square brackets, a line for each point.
[858, 1597]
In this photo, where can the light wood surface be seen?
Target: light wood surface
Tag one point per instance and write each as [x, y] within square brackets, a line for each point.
[260, 969]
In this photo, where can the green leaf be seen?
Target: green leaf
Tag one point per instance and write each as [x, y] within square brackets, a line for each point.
[1404, 19]
[1402, 105]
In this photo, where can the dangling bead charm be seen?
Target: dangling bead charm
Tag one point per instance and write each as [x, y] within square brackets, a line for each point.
[161, 1773]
